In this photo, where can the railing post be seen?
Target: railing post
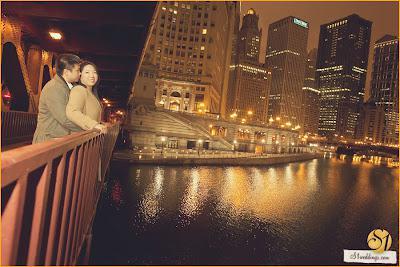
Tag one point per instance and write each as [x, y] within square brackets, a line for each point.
[66, 208]
[11, 223]
[73, 204]
[40, 208]
[55, 211]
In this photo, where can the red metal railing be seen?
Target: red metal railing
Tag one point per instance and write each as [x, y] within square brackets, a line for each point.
[49, 198]
[17, 126]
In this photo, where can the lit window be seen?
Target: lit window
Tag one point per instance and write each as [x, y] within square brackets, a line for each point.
[204, 31]
[164, 8]
[202, 48]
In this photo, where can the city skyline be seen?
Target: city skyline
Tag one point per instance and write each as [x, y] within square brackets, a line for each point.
[316, 14]
[193, 150]
[185, 29]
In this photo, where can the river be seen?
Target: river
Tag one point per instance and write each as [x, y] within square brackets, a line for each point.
[301, 213]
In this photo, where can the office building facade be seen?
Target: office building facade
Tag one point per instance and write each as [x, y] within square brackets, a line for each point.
[286, 55]
[341, 72]
[311, 103]
[190, 49]
[385, 86]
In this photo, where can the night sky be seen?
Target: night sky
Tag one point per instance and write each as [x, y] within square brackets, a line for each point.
[384, 17]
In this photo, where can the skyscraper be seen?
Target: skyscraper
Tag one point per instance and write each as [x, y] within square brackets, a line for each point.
[371, 123]
[310, 96]
[249, 38]
[341, 71]
[385, 85]
[285, 56]
[250, 82]
[189, 49]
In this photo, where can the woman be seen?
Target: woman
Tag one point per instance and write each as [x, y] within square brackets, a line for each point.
[84, 108]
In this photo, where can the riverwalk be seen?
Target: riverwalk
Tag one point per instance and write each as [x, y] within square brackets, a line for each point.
[183, 157]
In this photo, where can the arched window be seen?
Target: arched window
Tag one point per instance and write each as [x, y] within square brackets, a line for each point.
[11, 76]
[176, 94]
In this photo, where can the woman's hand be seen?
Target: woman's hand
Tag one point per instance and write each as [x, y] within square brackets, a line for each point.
[100, 128]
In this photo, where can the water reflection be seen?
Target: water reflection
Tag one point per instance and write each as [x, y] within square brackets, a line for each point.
[285, 214]
[150, 205]
[191, 200]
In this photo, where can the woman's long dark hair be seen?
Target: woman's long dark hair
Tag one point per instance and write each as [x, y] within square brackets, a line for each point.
[94, 89]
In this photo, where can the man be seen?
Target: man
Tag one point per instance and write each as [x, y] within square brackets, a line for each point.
[52, 121]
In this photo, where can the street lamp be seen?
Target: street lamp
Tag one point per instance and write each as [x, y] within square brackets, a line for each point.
[199, 142]
[234, 145]
[162, 144]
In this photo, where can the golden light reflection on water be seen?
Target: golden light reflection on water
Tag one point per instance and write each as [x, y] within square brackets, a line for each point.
[269, 194]
[190, 203]
[234, 191]
[311, 170]
[150, 204]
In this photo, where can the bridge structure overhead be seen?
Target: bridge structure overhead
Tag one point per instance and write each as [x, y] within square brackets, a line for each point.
[111, 34]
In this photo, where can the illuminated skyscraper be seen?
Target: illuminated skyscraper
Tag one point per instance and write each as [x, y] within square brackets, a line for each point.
[250, 82]
[385, 85]
[249, 38]
[310, 95]
[286, 56]
[341, 71]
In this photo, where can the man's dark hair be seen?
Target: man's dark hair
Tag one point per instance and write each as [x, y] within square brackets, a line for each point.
[66, 61]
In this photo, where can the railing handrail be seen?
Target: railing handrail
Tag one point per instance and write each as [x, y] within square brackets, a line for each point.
[51, 191]
[19, 160]
[17, 111]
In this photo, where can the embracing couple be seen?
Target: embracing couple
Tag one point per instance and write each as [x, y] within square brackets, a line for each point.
[69, 102]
